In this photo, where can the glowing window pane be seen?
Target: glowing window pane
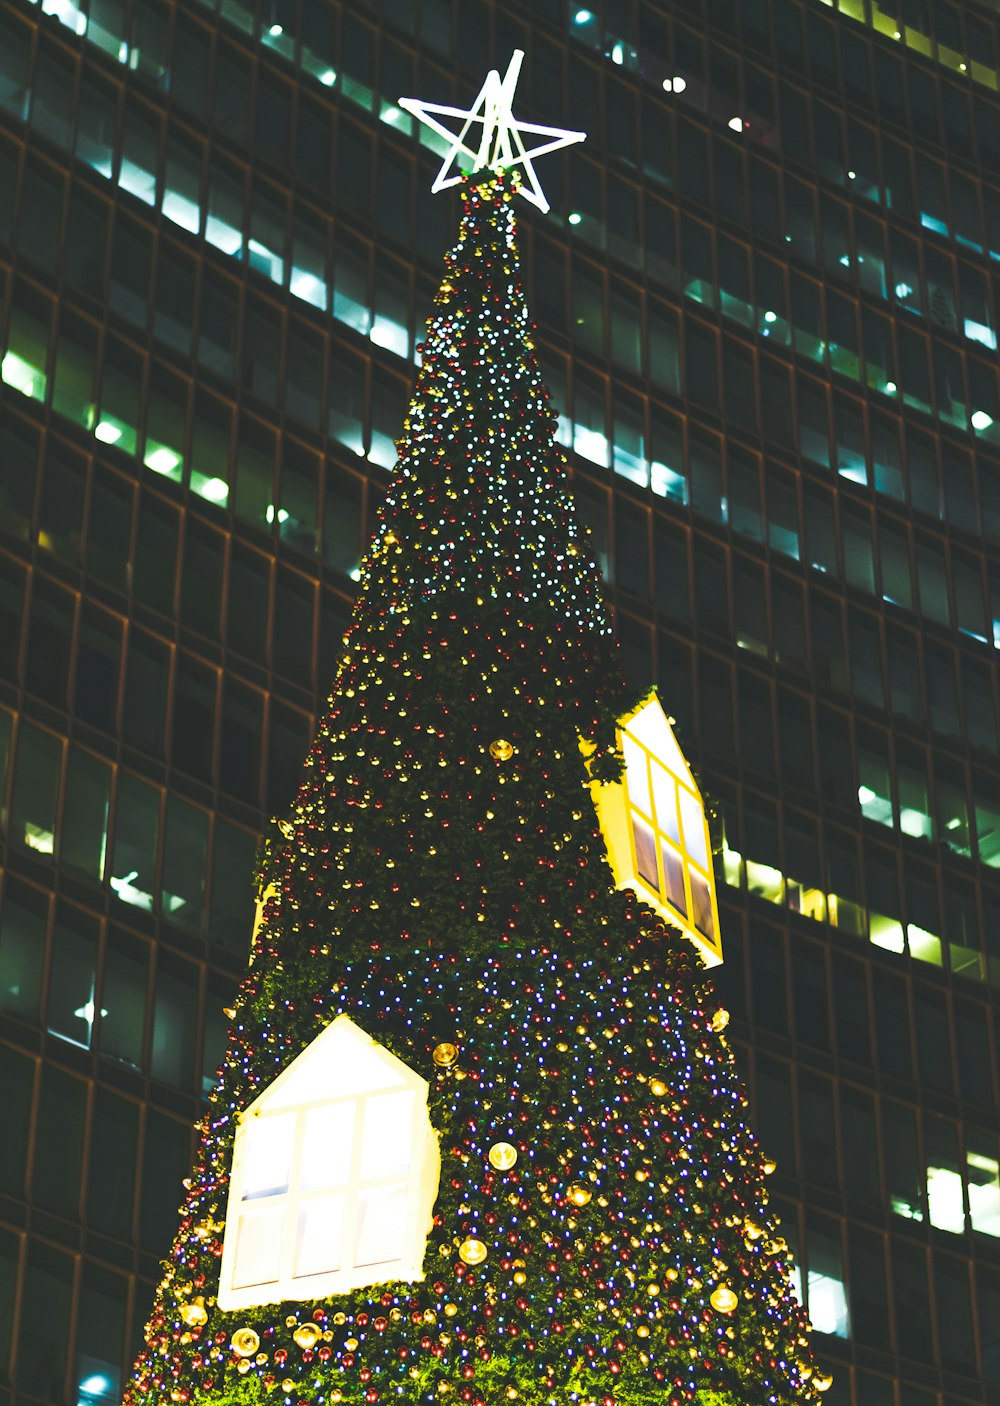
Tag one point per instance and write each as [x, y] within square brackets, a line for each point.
[268, 1156]
[385, 1143]
[636, 775]
[828, 1305]
[319, 1238]
[694, 828]
[673, 877]
[645, 851]
[701, 901]
[665, 796]
[381, 1222]
[326, 1145]
[984, 1193]
[944, 1200]
[258, 1248]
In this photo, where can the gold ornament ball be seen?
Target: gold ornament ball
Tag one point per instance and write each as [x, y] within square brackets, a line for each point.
[445, 1054]
[287, 1385]
[472, 1251]
[720, 1020]
[502, 1156]
[501, 750]
[822, 1381]
[657, 1088]
[769, 1166]
[307, 1335]
[579, 1193]
[194, 1314]
[723, 1300]
[245, 1342]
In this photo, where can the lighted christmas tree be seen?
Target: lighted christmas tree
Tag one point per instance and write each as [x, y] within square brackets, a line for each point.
[478, 1133]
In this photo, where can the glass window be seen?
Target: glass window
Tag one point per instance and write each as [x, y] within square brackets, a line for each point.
[185, 856]
[869, 1309]
[56, 1175]
[146, 691]
[165, 1160]
[137, 823]
[288, 740]
[47, 661]
[98, 660]
[175, 1021]
[45, 1310]
[194, 715]
[71, 1005]
[23, 923]
[37, 763]
[100, 1335]
[231, 920]
[826, 1297]
[85, 814]
[248, 602]
[297, 511]
[201, 584]
[61, 510]
[859, 1144]
[899, 1141]
[123, 998]
[293, 627]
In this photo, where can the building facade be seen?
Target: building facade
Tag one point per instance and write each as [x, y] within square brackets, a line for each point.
[767, 292]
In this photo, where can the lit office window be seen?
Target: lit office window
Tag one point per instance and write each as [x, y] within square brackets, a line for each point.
[335, 1173]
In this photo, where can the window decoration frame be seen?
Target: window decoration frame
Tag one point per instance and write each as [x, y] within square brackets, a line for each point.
[655, 828]
[308, 1214]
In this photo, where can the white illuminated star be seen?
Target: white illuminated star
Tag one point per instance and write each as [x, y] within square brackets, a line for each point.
[500, 143]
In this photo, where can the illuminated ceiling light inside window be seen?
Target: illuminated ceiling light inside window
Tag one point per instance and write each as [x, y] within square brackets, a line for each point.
[852, 175]
[328, 78]
[981, 420]
[96, 1385]
[281, 514]
[108, 432]
[668, 85]
[903, 290]
[583, 16]
[736, 124]
[954, 823]
[618, 52]
[845, 259]
[162, 460]
[574, 218]
[891, 387]
[216, 490]
[865, 795]
[680, 84]
[770, 316]
[275, 30]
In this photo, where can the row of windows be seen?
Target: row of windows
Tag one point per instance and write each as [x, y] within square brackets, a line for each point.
[932, 1170]
[124, 408]
[130, 541]
[775, 27]
[113, 1164]
[383, 315]
[100, 987]
[883, 1026]
[183, 200]
[157, 853]
[769, 614]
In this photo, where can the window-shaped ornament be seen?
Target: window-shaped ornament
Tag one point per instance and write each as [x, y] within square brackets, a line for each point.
[655, 829]
[335, 1172]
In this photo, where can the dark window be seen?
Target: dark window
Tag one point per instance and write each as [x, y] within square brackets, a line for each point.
[23, 921]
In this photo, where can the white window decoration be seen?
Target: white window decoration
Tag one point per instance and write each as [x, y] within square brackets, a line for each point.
[655, 829]
[335, 1172]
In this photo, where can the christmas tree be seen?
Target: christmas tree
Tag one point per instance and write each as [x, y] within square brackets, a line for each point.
[478, 1133]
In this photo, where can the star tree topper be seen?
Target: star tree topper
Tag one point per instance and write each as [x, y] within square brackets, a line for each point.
[500, 143]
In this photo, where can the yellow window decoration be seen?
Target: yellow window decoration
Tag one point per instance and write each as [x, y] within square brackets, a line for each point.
[654, 825]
